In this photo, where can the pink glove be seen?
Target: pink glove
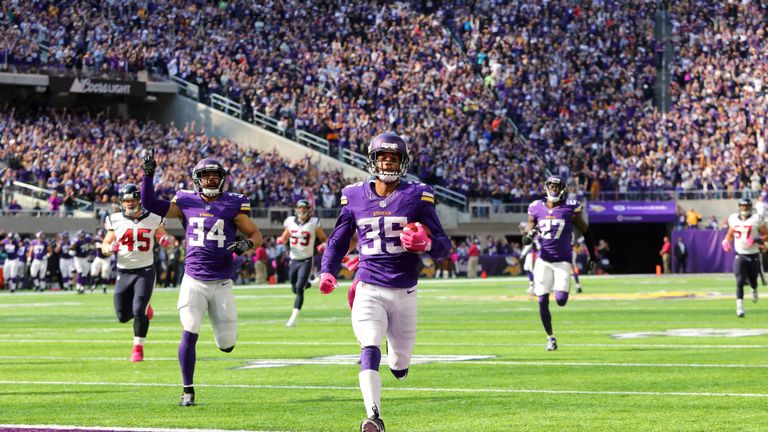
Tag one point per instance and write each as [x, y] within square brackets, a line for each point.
[749, 241]
[321, 248]
[351, 263]
[165, 241]
[327, 283]
[416, 241]
[351, 293]
[280, 240]
[726, 245]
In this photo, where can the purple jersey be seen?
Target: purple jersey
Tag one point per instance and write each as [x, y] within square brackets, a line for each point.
[82, 247]
[39, 249]
[11, 249]
[378, 222]
[66, 247]
[210, 228]
[555, 226]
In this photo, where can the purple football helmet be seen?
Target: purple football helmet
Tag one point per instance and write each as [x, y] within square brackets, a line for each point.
[209, 165]
[554, 189]
[388, 142]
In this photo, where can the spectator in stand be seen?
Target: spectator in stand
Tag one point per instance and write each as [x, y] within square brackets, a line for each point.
[54, 203]
[692, 218]
[14, 208]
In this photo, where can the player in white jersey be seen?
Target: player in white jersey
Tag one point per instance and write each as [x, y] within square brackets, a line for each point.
[301, 230]
[11, 247]
[747, 232]
[101, 267]
[131, 234]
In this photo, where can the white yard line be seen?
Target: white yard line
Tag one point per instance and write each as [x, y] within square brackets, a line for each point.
[100, 428]
[353, 344]
[304, 361]
[404, 389]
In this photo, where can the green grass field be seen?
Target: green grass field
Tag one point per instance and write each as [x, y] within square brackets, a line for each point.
[64, 361]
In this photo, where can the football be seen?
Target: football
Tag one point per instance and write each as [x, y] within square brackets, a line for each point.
[412, 227]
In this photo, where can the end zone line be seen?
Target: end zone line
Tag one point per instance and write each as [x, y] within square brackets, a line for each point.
[402, 389]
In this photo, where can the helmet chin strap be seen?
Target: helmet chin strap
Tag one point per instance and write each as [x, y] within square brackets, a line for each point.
[388, 178]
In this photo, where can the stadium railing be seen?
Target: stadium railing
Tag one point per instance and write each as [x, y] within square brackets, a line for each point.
[447, 196]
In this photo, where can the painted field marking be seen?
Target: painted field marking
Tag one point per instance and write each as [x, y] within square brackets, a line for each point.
[401, 389]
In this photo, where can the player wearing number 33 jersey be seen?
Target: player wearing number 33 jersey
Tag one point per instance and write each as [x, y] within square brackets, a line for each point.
[210, 218]
[384, 301]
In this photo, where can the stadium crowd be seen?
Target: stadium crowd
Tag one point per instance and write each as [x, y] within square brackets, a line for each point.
[578, 81]
[86, 156]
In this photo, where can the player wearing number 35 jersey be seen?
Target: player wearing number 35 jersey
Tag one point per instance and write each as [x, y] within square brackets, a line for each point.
[211, 218]
[384, 303]
[552, 220]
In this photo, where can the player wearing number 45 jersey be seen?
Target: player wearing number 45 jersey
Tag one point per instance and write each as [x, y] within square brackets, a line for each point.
[747, 232]
[211, 218]
[384, 301]
[131, 235]
[553, 219]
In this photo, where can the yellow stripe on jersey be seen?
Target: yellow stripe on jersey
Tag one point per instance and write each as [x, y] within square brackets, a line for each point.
[343, 200]
[428, 199]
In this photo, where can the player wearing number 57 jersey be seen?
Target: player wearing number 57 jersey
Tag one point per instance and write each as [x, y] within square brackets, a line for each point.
[301, 229]
[553, 219]
[210, 218]
[131, 235]
[747, 232]
[384, 304]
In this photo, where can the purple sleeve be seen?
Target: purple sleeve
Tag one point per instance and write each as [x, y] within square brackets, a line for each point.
[149, 201]
[441, 244]
[338, 242]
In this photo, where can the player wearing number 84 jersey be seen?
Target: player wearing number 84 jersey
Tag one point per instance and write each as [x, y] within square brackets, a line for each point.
[211, 218]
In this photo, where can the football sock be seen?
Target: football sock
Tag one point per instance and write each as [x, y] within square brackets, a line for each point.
[561, 297]
[370, 358]
[139, 340]
[576, 276]
[370, 387]
[546, 316]
[187, 357]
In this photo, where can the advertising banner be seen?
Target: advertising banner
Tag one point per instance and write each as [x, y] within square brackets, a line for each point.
[631, 211]
[97, 86]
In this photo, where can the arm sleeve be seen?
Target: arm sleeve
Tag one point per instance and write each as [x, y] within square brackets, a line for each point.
[338, 242]
[441, 244]
[149, 201]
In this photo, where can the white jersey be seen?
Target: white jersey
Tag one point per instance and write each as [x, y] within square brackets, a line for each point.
[302, 242]
[743, 229]
[135, 238]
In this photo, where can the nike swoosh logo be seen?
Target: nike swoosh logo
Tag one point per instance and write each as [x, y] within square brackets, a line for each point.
[410, 291]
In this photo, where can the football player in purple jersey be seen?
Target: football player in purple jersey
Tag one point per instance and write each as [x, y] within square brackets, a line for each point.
[211, 218]
[551, 221]
[39, 252]
[384, 301]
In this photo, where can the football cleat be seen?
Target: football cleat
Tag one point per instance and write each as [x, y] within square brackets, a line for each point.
[755, 297]
[578, 289]
[291, 323]
[150, 312]
[138, 354]
[372, 423]
[187, 399]
[740, 313]
[551, 344]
